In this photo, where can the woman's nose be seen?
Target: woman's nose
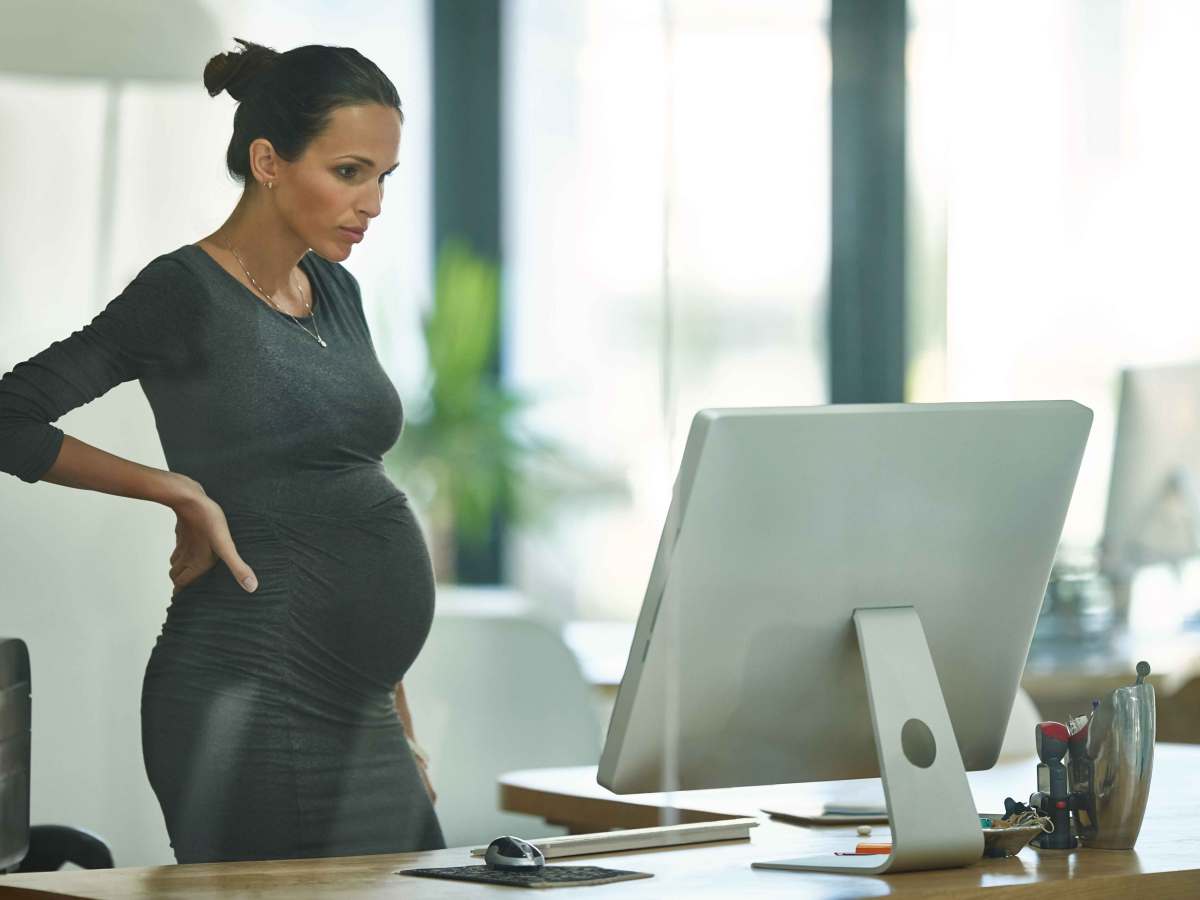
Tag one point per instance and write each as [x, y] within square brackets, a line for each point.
[372, 202]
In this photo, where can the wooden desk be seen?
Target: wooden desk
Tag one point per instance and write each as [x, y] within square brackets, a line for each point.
[1166, 863]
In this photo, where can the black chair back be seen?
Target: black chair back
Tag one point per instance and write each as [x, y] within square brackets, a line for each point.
[53, 846]
[15, 719]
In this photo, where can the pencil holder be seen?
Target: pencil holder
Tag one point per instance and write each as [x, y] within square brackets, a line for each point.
[1111, 767]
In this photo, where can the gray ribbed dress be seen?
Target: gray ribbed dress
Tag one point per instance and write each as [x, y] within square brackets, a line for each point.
[268, 727]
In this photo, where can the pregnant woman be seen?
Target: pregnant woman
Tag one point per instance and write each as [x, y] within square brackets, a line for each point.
[274, 723]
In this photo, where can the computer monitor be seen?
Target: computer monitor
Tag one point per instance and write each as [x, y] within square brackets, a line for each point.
[847, 592]
[1153, 514]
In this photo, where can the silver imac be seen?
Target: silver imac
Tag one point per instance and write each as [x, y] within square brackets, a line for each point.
[847, 592]
[1153, 513]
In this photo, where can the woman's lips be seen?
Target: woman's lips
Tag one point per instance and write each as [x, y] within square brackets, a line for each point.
[350, 234]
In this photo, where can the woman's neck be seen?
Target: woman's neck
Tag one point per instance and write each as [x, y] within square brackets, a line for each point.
[268, 249]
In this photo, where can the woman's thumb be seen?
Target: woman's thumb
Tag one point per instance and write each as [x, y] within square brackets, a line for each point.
[244, 574]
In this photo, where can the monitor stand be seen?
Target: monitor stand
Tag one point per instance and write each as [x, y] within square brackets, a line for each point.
[933, 819]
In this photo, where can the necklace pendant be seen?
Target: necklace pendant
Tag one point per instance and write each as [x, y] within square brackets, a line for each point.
[322, 342]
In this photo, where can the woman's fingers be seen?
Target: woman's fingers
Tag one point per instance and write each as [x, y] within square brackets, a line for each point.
[202, 525]
[428, 784]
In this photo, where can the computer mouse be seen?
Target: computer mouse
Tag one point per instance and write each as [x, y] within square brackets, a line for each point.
[511, 854]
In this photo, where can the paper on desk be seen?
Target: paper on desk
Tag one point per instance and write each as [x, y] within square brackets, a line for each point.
[865, 808]
[815, 817]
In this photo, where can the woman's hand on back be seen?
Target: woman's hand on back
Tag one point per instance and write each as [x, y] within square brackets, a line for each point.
[202, 539]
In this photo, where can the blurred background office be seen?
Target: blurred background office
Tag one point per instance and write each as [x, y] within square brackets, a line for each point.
[608, 215]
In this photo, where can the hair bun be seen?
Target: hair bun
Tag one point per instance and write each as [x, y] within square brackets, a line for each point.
[235, 72]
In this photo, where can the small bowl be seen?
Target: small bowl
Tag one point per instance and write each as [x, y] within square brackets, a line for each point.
[1004, 842]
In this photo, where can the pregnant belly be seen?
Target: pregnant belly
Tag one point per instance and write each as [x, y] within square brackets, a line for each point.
[344, 603]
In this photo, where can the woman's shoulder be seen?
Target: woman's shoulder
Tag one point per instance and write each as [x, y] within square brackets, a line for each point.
[169, 288]
[176, 273]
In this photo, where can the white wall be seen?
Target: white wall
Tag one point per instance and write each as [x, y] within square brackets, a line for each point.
[84, 578]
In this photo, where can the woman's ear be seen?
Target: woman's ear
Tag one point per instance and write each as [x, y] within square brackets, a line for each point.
[264, 164]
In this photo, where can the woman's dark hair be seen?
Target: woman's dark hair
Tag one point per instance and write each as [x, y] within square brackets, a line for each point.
[289, 98]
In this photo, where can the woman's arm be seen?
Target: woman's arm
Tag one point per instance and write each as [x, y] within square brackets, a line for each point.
[80, 465]
[405, 716]
[145, 326]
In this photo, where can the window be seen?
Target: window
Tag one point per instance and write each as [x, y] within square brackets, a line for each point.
[1053, 148]
[666, 184]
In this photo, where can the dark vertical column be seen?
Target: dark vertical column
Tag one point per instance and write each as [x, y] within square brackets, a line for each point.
[867, 277]
[466, 173]
[466, 123]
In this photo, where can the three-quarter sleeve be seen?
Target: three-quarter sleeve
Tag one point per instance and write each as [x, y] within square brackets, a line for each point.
[143, 326]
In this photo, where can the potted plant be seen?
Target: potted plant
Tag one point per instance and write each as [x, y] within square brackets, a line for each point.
[465, 455]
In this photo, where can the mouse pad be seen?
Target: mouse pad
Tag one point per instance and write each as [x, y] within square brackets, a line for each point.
[548, 877]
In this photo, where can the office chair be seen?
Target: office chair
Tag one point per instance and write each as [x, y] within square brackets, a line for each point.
[15, 713]
[53, 846]
[42, 848]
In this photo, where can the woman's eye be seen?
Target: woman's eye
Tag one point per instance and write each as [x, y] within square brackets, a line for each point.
[351, 169]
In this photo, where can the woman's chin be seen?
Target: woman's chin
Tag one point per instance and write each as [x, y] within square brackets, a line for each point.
[333, 251]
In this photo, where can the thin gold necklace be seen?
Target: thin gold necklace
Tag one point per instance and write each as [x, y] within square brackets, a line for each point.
[316, 337]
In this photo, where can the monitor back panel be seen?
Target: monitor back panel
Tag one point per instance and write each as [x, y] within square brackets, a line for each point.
[745, 666]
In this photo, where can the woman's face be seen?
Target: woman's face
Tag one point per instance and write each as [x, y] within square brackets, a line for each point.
[337, 184]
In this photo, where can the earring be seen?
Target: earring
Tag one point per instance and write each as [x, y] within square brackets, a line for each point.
[270, 184]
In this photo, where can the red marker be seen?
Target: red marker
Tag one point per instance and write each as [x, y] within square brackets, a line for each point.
[866, 849]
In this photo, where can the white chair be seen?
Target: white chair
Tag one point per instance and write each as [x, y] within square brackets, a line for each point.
[495, 690]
